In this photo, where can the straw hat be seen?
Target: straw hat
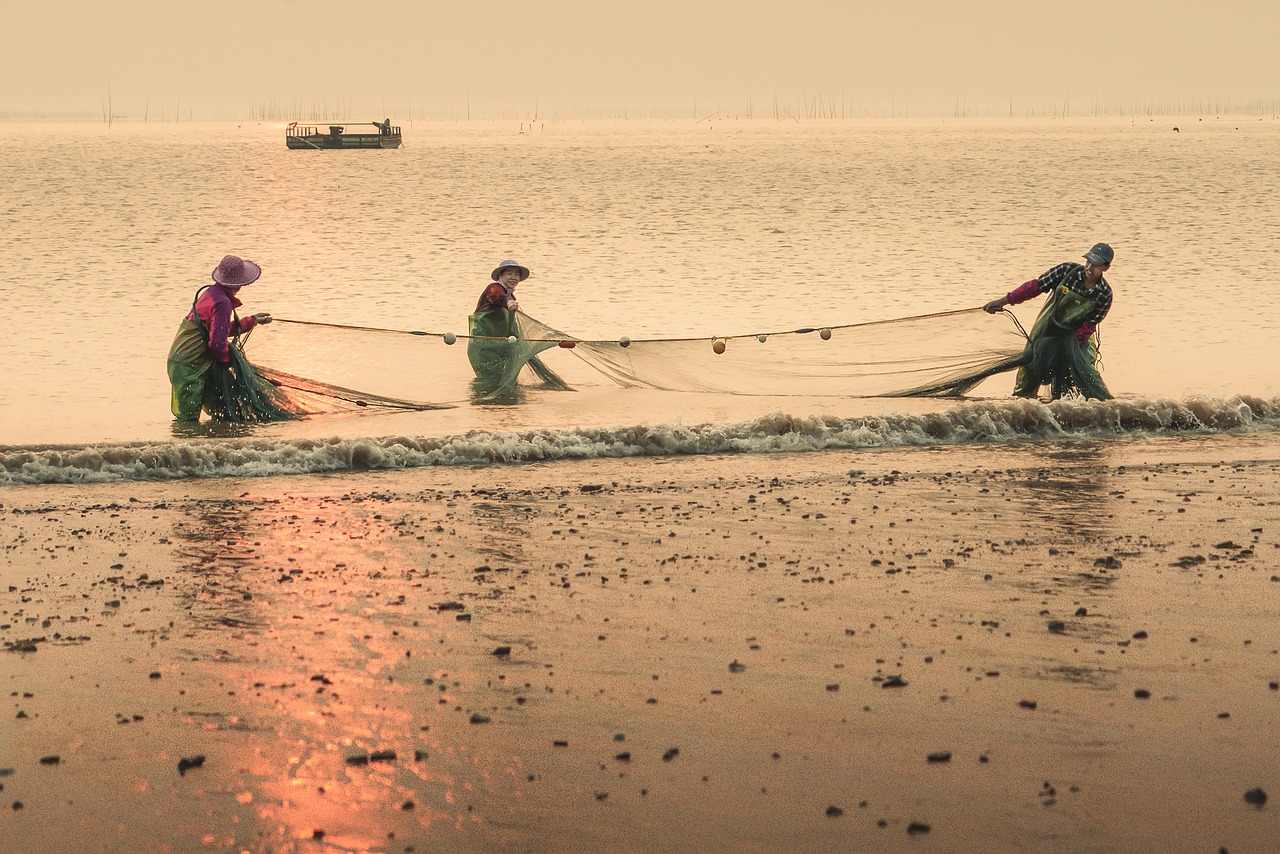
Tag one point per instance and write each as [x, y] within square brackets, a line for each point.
[524, 271]
[234, 271]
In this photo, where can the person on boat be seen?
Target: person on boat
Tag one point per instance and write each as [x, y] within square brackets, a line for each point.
[385, 126]
[207, 369]
[1062, 348]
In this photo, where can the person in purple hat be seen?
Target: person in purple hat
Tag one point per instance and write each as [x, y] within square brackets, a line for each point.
[204, 347]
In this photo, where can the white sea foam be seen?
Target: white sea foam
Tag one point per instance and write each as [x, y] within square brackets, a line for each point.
[967, 423]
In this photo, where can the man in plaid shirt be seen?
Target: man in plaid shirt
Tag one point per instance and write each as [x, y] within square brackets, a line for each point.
[1081, 304]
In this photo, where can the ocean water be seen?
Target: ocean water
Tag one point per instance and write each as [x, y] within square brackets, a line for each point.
[644, 229]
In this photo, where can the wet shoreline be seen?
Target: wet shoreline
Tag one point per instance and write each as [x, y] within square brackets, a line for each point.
[1006, 649]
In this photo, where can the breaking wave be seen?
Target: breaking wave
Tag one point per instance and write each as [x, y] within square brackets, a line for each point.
[962, 423]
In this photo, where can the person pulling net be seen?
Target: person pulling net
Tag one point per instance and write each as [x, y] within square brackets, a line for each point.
[207, 367]
[1062, 349]
[209, 371]
[500, 344]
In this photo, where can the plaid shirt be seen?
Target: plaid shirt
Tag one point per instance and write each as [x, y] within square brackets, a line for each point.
[1071, 274]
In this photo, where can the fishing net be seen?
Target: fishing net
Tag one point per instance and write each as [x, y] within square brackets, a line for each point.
[937, 355]
[237, 392]
[501, 345]
[313, 397]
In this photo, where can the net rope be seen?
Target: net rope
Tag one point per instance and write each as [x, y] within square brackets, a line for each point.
[943, 354]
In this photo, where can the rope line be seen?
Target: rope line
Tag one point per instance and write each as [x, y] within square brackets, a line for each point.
[801, 331]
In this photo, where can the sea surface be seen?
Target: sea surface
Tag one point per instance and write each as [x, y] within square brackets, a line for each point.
[643, 229]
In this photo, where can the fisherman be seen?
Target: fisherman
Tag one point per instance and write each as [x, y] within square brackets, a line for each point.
[385, 126]
[206, 366]
[1062, 349]
[500, 292]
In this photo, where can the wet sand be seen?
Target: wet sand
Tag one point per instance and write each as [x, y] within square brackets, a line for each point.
[1030, 648]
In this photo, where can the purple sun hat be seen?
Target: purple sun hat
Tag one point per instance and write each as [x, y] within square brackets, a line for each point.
[234, 271]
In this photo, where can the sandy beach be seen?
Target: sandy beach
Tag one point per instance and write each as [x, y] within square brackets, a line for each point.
[1040, 647]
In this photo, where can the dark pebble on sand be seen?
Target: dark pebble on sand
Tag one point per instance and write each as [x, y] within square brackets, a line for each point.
[1027, 704]
[502, 650]
[940, 756]
[361, 759]
[672, 753]
[1057, 626]
[1255, 796]
[918, 827]
[50, 760]
[477, 718]
[382, 756]
[834, 811]
[893, 682]
[1140, 635]
[1142, 694]
[188, 762]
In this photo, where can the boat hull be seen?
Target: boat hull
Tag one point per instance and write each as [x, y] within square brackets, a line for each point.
[320, 142]
[310, 139]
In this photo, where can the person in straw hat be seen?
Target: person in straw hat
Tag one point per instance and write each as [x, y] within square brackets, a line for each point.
[501, 290]
[207, 370]
[492, 325]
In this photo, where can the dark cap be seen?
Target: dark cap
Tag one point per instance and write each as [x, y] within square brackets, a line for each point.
[1101, 253]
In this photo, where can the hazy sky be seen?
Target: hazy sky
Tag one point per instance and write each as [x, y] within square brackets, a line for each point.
[567, 57]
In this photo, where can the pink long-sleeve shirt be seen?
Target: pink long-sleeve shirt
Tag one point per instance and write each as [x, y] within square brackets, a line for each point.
[215, 307]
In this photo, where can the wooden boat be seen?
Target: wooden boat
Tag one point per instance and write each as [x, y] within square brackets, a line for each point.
[310, 137]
